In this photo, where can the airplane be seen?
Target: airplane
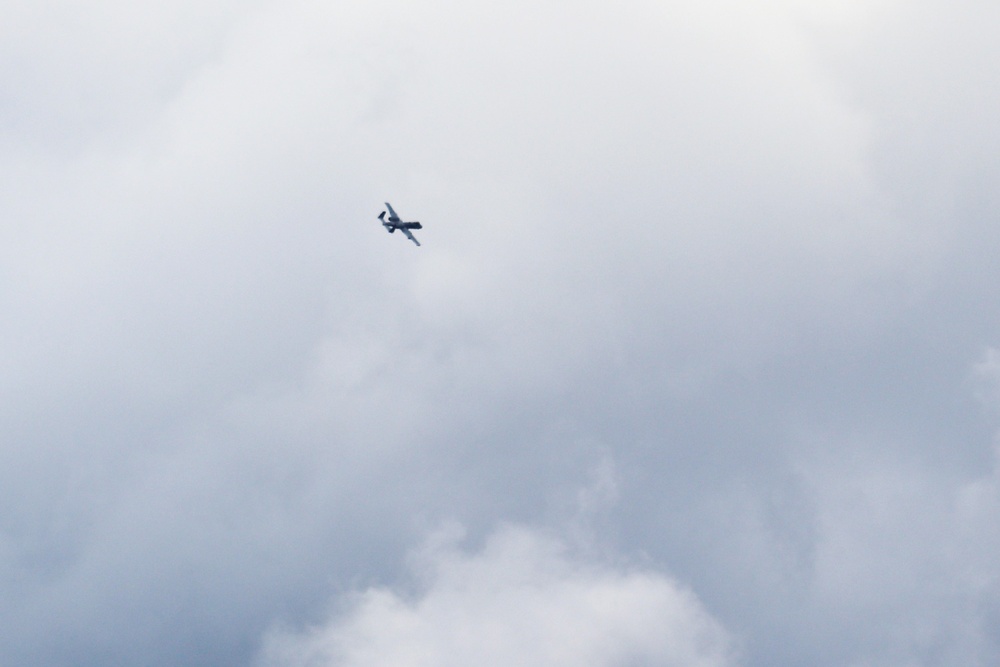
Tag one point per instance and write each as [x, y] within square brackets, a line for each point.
[393, 223]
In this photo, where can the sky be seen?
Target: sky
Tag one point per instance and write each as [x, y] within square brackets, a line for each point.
[698, 364]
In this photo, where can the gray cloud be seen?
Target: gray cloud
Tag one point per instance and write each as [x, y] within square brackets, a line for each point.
[744, 252]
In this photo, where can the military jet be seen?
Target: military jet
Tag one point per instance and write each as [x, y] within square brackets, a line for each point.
[392, 223]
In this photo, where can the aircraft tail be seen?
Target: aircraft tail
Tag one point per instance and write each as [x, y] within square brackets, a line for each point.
[388, 227]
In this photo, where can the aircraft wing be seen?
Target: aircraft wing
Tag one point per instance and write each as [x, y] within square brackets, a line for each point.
[409, 235]
[392, 214]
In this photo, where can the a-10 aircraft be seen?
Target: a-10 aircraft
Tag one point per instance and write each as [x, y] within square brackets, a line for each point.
[392, 223]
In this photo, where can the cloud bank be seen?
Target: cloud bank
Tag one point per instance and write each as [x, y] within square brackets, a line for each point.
[747, 251]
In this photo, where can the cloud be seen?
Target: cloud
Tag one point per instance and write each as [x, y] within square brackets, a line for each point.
[903, 562]
[523, 599]
[746, 248]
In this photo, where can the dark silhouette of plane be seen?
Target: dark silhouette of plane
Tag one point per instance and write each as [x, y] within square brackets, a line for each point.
[392, 223]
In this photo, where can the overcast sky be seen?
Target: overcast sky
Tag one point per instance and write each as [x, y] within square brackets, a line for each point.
[698, 364]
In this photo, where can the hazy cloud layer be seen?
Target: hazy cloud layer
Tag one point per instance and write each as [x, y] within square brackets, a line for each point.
[728, 267]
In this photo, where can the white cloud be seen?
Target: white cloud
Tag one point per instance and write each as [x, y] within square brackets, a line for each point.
[524, 600]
